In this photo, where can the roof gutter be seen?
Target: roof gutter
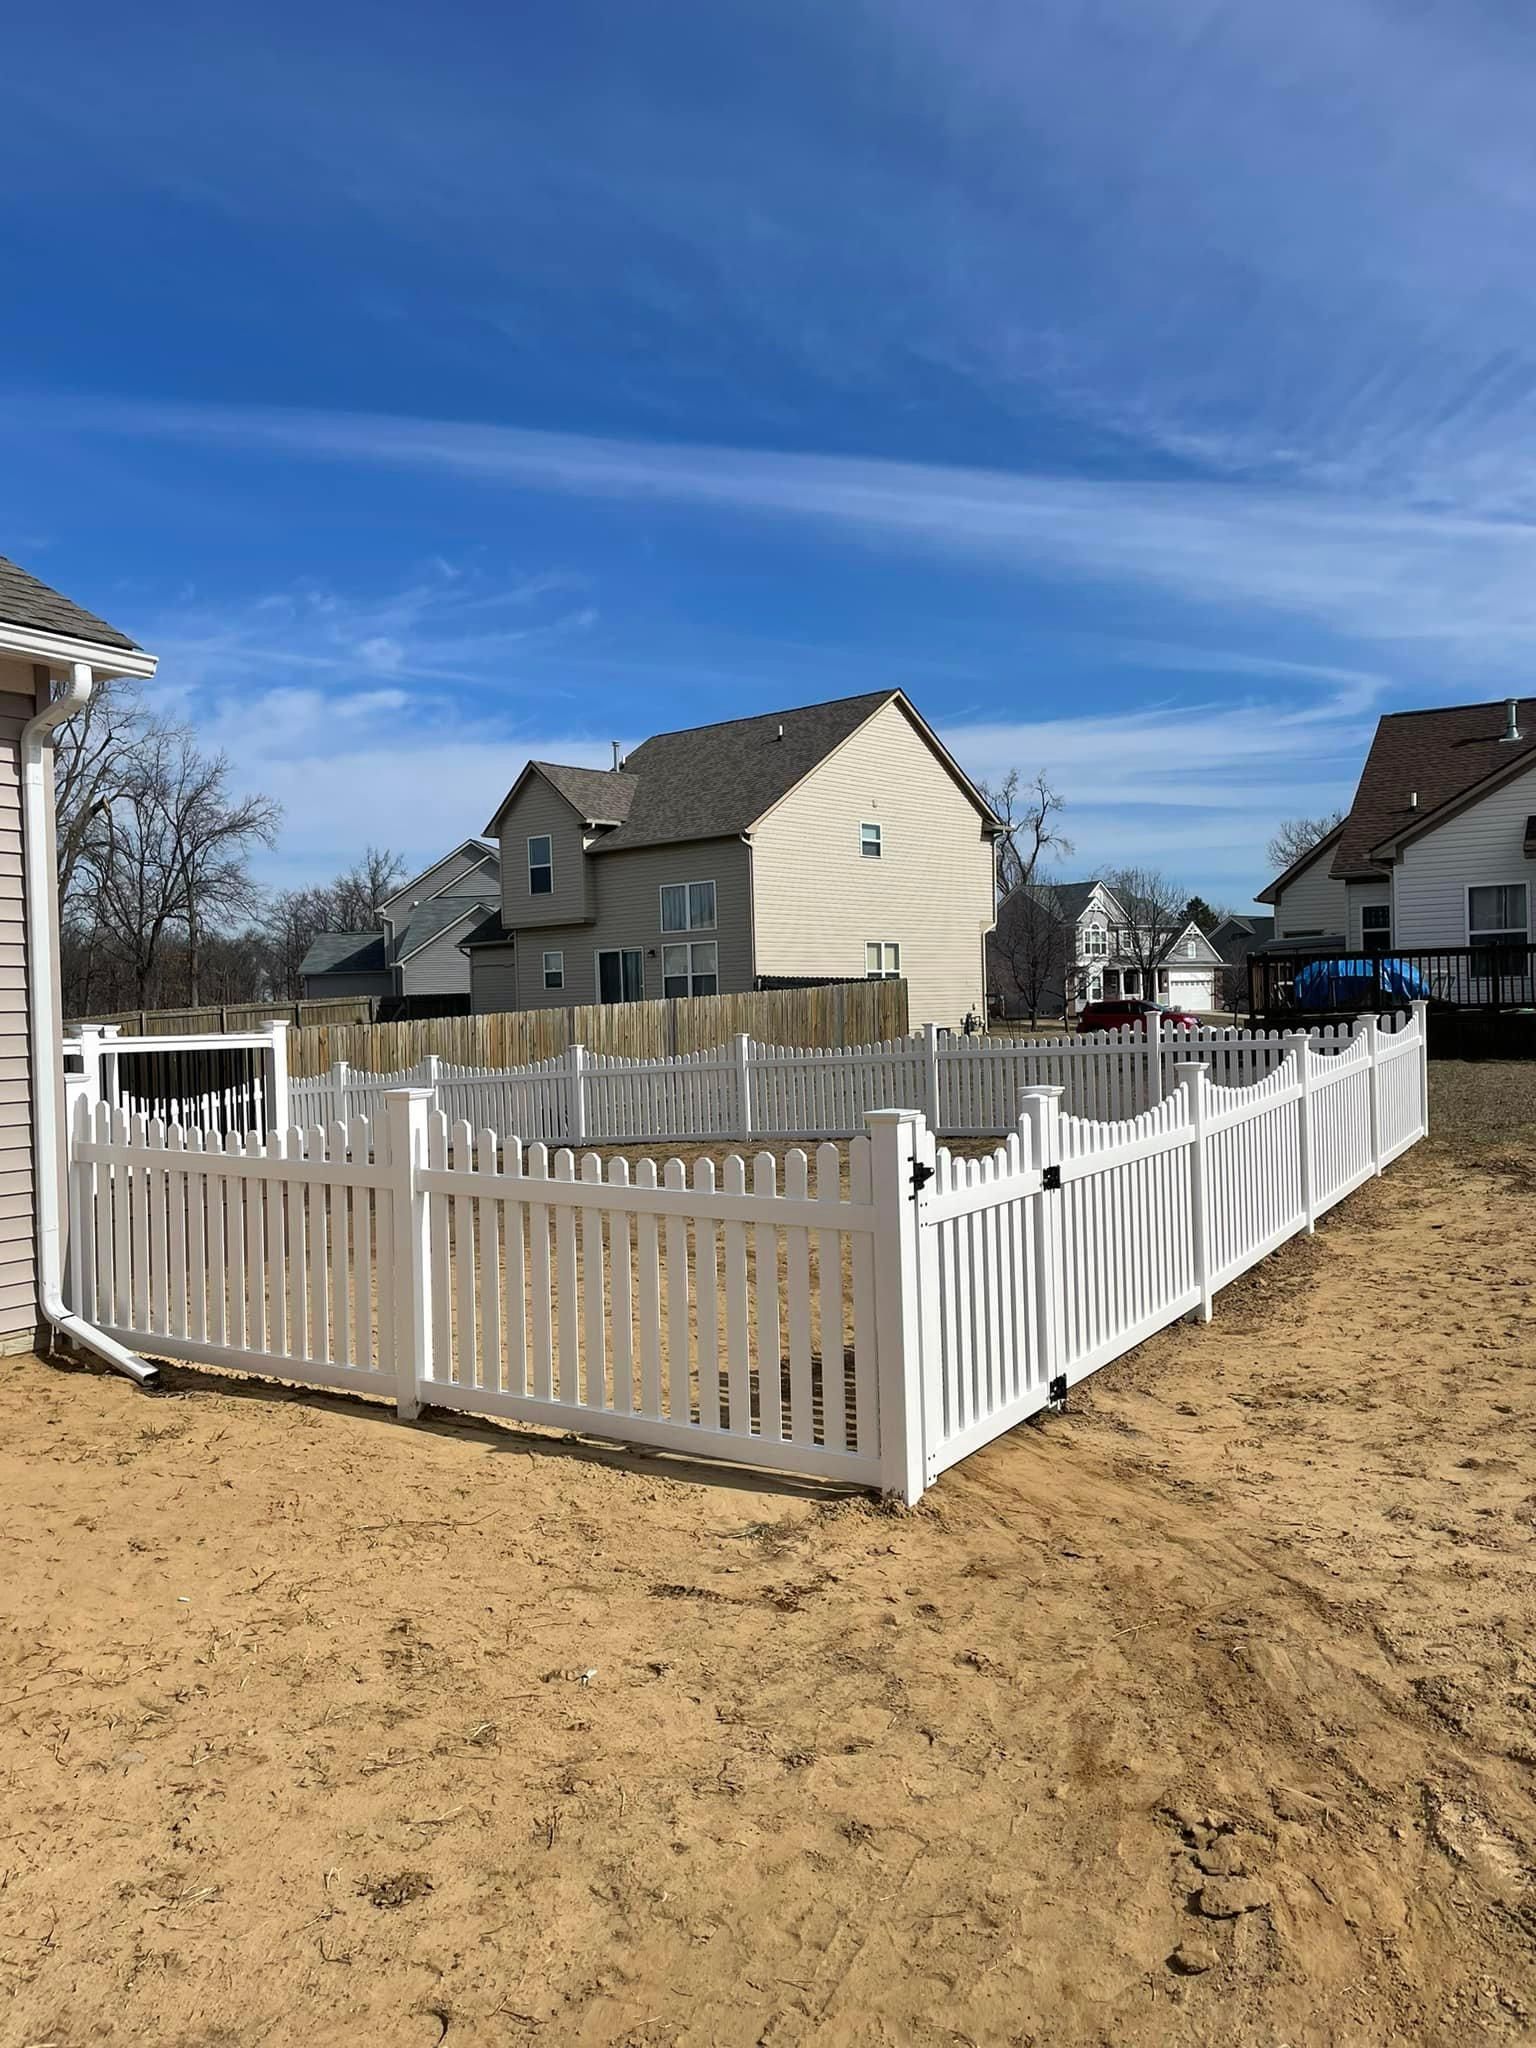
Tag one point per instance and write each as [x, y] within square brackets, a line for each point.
[48, 1138]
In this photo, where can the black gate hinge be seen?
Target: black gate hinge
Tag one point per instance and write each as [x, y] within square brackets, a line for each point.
[921, 1175]
[1050, 1179]
[1056, 1392]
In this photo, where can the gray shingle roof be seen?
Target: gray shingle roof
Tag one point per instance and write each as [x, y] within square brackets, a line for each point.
[600, 794]
[345, 953]
[713, 781]
[489, 932]
[428, 919]
[1436, 756]
[26, 602]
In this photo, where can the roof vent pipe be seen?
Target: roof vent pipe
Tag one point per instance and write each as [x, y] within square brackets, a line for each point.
[617, 762]
[1512, 718]
[1413, 799]
[779, 734]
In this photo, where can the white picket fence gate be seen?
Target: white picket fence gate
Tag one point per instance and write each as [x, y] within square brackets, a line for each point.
[869, 1321]
[965, 1087]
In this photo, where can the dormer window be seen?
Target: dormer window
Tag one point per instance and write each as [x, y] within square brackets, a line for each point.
[541, 866]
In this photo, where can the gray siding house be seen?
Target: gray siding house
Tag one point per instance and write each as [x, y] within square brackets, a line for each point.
[416, 950]
[52, 653]
[833, 841]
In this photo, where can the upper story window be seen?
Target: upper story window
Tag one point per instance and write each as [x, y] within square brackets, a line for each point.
[1191, 950]
[1096, 942]
[541, 866]
[1376, 928]
[688, 906]
[869, 841]
[882, 961]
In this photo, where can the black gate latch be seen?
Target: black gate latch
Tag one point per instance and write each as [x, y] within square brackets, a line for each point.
[1050, 1179]
[1056, 1392]
[921, 1175]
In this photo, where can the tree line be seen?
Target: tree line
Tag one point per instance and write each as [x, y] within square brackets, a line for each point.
[158, 904]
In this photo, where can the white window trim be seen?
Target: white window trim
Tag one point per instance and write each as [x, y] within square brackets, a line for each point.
[554, 953]
[1503, 932]
[688, 946]
[871, 825]
[688, 887]
[549, 840]
[883, 972]
[597, 972]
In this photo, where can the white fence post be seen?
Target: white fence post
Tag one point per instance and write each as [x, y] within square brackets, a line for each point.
[1300, 1044]
[339, 1073]
[279, 1101]
[91, 1061]
[931, 1100]
[1195, 1081]
[1152, 1025]
[743, 1084]
[1040, 1110]
[406, 1114]
[1421, 1018]
[432, 1068]
[897, 1145]
[1370, 1027]
[576, 1095]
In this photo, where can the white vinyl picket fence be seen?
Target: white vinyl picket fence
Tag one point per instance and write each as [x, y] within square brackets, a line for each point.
[965, 1087]
[869, 1313]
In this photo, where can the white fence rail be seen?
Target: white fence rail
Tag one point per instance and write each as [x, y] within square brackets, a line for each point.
[869, 1321]
[965, 1087]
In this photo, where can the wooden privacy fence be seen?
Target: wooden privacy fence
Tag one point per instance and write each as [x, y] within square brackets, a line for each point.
[965, 1087]
[222, 1017]
[839, 1013]
[870, 1325]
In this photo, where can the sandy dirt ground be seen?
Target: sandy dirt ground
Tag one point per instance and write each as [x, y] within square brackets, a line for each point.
[1204, 1713]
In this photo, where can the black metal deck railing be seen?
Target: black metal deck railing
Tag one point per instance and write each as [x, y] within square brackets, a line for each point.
[1309, 980]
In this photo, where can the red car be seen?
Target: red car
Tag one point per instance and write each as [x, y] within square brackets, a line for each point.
[1117, 1013]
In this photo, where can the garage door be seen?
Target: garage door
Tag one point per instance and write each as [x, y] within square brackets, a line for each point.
[1191, 991]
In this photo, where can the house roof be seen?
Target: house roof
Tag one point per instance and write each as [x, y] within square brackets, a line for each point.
[1447, 756]
[479, 852]
[345, 953]
[1235, 937]
[26, 602]
[429, 920]
[598, 796]
[1068, 899]
[490, 931]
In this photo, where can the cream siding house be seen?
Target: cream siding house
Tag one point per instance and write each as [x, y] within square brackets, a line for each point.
[45, 642]
[1310, 902]
[830, 842]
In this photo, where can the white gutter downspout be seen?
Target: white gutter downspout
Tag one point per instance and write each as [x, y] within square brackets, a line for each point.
[47, 1055]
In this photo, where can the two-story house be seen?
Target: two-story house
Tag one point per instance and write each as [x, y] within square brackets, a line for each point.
[1436, 850]
[1058, 945]
[833, 841]
[414, 954]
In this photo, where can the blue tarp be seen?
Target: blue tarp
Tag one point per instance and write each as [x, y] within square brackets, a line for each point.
[1352, 984]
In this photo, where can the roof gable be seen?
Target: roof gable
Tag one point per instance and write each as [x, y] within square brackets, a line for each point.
[1302, 862]
[598, 796]
[1446, 758]
[476, 855]
[345, 953]
[431, 919]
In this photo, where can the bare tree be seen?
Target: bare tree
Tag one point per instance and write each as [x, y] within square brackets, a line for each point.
[129, 858]
[95, 753]
[1298, 836]
[357, 896]
[1029, 953]
[213, 835]
[1154, 908]
[1030, 814]
[290, 923]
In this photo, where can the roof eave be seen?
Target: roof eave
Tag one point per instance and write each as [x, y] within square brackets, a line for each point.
[64, 650]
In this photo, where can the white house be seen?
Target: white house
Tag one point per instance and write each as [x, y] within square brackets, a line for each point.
[1059, 945]
[1436, 851]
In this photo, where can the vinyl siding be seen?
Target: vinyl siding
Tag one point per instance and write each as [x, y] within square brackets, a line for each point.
[18, 1270]
[1483, 844]
[1313, 902]
[1359, 896]
[319, 987]
[817, 900]
[627, 913]
[439, 968]
[459, 874]
[493, 979]
[541, 809]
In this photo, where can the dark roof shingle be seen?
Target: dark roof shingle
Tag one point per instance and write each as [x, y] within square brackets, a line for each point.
[345, 953]
[26, 602]
[602, 795]
[1439, 754]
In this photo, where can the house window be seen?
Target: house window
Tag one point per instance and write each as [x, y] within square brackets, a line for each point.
[1162, 981]
[541, 866]
[688, 906]
[1096, 942]
[1130, 981]
[882, 961]
[554, 970]
[1498, 923]
[1376, 928]
[869, 842]
[621, 975]
[691, 970]
[1191, 950]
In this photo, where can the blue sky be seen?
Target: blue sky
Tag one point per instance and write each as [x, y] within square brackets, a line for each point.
[1150, 391]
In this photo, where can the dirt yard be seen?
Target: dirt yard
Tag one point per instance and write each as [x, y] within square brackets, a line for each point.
[1203, 1714]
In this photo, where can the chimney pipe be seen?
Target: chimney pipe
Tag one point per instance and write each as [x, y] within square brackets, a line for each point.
[779, 734]
[1512, 718]
[1413, 799]
[617, 763]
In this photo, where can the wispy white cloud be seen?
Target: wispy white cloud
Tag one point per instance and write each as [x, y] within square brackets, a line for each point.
[1421, 583]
